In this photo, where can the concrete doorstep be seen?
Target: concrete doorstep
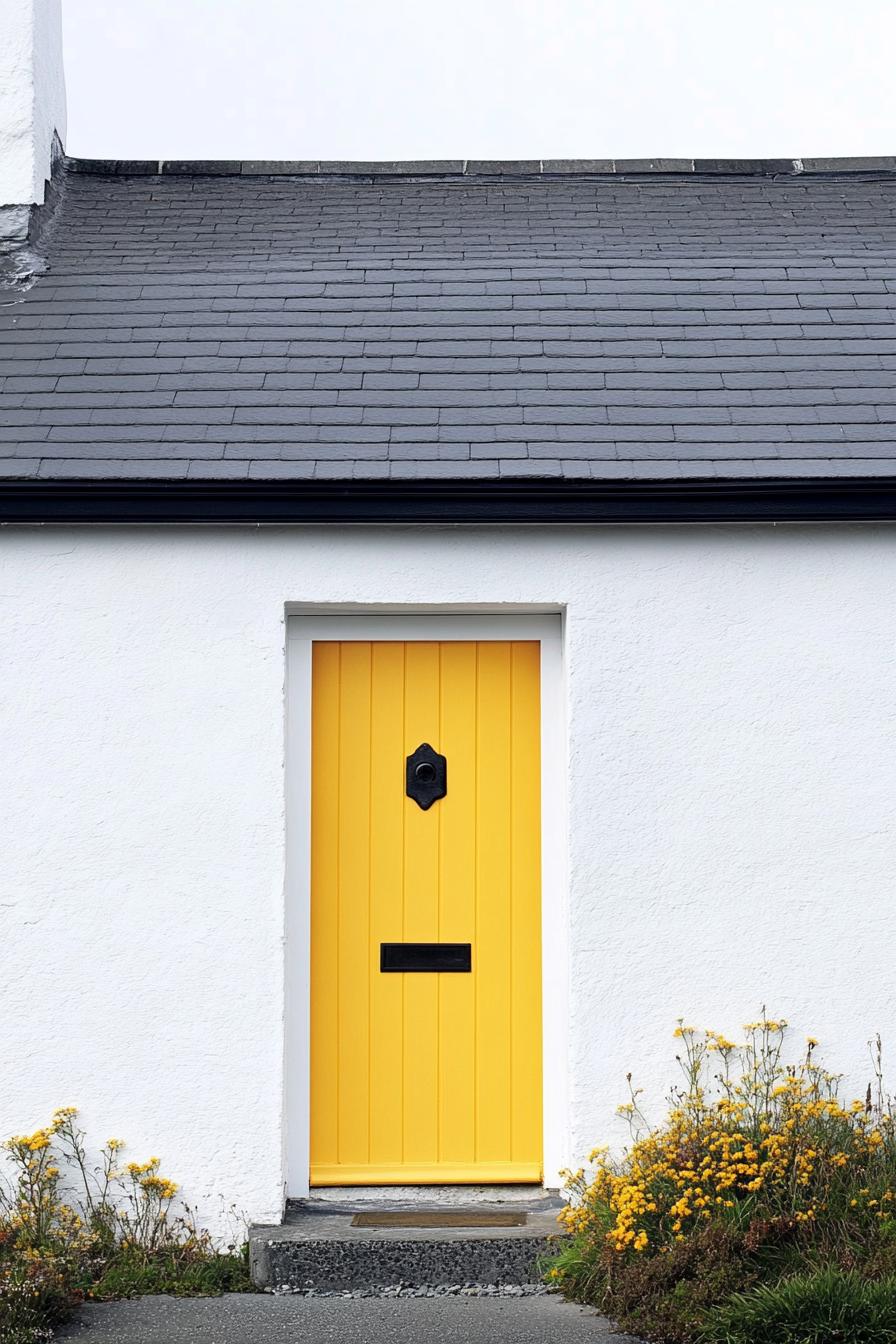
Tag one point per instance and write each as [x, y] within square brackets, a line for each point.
[322, 1247]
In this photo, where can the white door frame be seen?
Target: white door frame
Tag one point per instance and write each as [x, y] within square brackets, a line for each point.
[302, 630]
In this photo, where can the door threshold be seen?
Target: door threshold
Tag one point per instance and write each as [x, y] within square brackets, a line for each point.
[399, 1198]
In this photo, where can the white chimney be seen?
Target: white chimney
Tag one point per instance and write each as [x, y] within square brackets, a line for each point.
[32, 107]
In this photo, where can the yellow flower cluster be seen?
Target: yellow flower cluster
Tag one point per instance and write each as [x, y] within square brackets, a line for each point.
[137, 1169]
[40, 1140]
[756, 1137]
[146, 1175]
[160, 1186]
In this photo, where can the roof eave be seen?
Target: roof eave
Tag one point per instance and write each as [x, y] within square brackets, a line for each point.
[768, 500]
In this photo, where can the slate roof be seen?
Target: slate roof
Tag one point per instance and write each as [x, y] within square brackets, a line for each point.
[453, 324]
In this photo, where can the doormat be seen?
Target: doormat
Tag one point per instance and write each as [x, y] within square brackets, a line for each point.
[441, 1218]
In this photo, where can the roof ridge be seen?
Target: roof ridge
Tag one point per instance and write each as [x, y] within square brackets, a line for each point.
[482, 167]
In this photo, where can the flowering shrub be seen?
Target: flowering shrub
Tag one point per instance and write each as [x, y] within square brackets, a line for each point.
[758, 1168]
[116, 1235]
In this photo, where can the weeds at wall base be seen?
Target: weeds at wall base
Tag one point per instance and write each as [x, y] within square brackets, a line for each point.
[120, 1235]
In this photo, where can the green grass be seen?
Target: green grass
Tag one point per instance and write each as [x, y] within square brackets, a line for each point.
[824, 1307]
[40, 1293]
[173, 1271]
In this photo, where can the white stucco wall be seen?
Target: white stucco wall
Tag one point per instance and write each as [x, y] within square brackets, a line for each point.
[32, 97]
[731, 775]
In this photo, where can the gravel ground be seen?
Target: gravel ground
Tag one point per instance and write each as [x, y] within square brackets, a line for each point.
[266, 1319]
[424, 1290]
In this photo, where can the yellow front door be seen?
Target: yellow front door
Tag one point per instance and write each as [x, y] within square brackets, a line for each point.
[425, 1076]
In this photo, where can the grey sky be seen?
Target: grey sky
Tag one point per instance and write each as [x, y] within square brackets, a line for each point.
[479, 78]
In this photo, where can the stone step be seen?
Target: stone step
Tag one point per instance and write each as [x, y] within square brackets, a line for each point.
[320, 1248]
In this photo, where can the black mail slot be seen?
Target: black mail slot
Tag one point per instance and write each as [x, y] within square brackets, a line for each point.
[425, 957]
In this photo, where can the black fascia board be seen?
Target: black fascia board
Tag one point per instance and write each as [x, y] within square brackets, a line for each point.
[853, 499]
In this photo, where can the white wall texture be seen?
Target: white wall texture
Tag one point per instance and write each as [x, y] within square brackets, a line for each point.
[32, 97]
[731, 775]
[507, 79]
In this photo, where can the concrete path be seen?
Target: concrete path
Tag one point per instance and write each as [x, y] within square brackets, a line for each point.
[263, 1319]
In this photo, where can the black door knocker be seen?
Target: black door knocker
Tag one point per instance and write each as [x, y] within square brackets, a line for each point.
[426, 776]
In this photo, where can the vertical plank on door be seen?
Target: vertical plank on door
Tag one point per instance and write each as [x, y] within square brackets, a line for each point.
[324, 905]
[386, 881]
[493, 924]
[354, 904]
[457, 904]
[525, 945]
[421, 915]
